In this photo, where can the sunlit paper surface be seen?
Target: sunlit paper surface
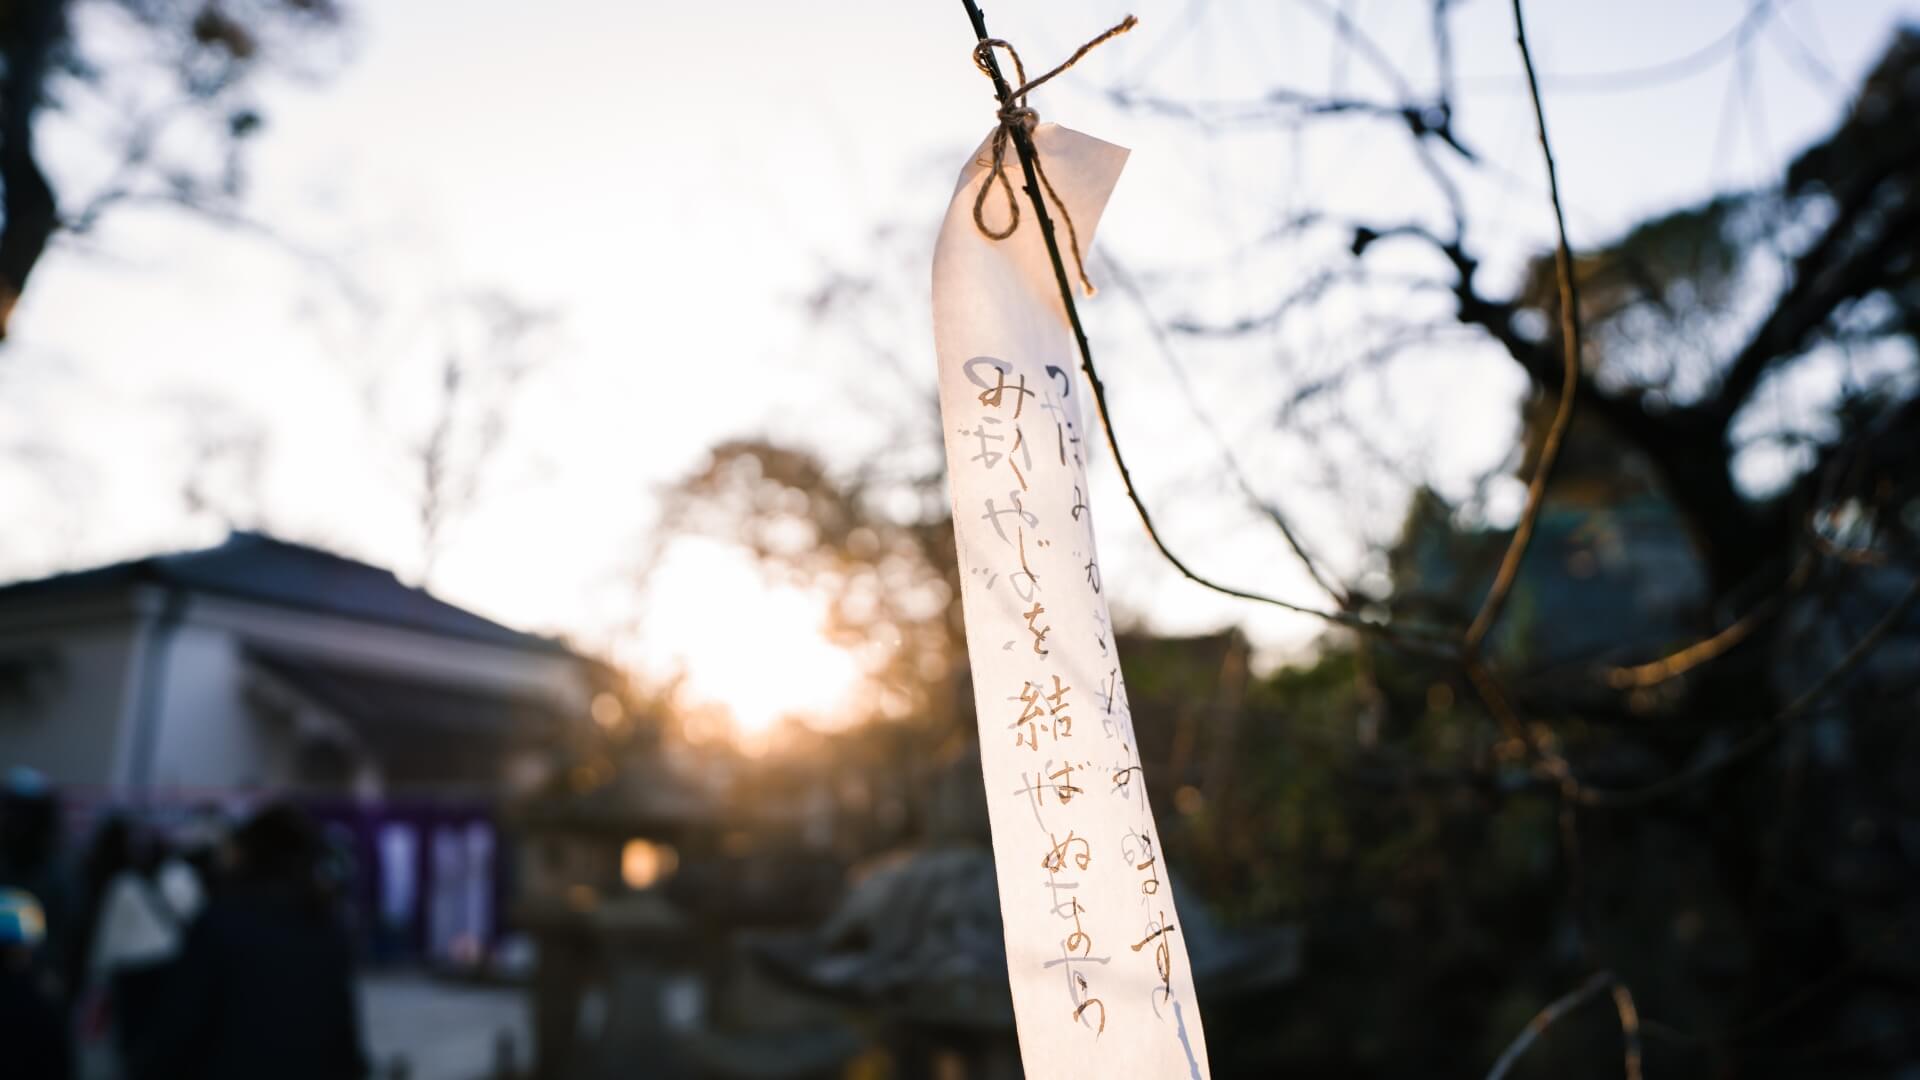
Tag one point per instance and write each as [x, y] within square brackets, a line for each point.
[1101, 983]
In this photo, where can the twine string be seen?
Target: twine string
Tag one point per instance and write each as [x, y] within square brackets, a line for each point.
[1016, 114]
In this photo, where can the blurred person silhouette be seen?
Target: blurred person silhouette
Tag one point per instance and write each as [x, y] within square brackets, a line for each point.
[143, 926]
[143, 900]
[109, 854]
[31, 860]
[33, 1033]
[202, 842]
[264, 983]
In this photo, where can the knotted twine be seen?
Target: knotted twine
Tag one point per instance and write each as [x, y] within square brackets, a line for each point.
[1015, 111]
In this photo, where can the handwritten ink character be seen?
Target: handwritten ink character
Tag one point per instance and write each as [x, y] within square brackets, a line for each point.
[1055, 887]
[1019, 446]
[1115, 719]
[1057, 707]
[1026, 730]
[1079, 941]
[993, 516]
[1065, 434]
[1032, 615]
[1056, 857]
[1065, 789]
[1063, 377]
[1025, 582]
[972, 371]
[1108, 693]
[1034, 785]
[993, 396]
[1157, 931]
[1139, 846]
[1085, 1003]
[1079, 991]
[988, 455]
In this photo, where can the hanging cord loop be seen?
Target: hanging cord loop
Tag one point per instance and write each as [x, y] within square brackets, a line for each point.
[1014, 114]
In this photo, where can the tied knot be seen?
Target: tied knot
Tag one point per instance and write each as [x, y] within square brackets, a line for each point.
[1017, 122]
[1020, 116]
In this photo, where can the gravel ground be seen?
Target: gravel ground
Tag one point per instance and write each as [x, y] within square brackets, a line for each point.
[442, 1030]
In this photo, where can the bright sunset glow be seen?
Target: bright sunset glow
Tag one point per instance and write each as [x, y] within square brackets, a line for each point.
[754, 649]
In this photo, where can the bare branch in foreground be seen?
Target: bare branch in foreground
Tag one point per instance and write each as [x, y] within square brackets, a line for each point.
[1759, 737]
[1678, 663]
[1573, 999]
[1415, 641]
[1228, 457]
[1570, 341]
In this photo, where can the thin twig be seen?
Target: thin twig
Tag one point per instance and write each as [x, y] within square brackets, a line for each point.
[1672, 70]
[1570, 338]
[1228, 457]
[1534, 741]
[1757, 739]
[1566, 1003]
[1678, 663]
[1023, 148]
[1629, 1026]
[1529, 737]
[1351, 34]
[1675, 664]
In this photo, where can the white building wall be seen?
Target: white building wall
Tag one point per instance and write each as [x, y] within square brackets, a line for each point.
[71, 730]
[207, 734]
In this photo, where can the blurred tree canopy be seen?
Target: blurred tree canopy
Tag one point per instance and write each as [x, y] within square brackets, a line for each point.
[162, 85]
[880, 550]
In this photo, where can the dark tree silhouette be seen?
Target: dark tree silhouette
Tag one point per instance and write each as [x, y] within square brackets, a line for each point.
[173, 72]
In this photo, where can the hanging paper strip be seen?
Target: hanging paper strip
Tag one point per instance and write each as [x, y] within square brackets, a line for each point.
[1101, 983]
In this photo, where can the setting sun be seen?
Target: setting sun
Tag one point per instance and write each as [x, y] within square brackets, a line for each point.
[753, 649]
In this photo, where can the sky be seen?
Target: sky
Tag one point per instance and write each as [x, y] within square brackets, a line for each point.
[667, 184]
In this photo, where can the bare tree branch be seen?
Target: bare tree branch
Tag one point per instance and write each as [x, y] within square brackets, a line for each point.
[1339, 595]
[1823, 279]
[1566, 1003]
[1424, 119]
[1668, 71]
[1679, 662]
[1766, 732]
[1414, 640]
[1570, 342]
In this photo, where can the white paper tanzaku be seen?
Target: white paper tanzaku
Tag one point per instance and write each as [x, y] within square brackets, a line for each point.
[1101, 982]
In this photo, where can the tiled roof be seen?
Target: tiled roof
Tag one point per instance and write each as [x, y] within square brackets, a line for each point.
[252, 566]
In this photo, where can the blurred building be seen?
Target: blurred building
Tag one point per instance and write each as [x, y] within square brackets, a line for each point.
[1611, 573]
[260, 666]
